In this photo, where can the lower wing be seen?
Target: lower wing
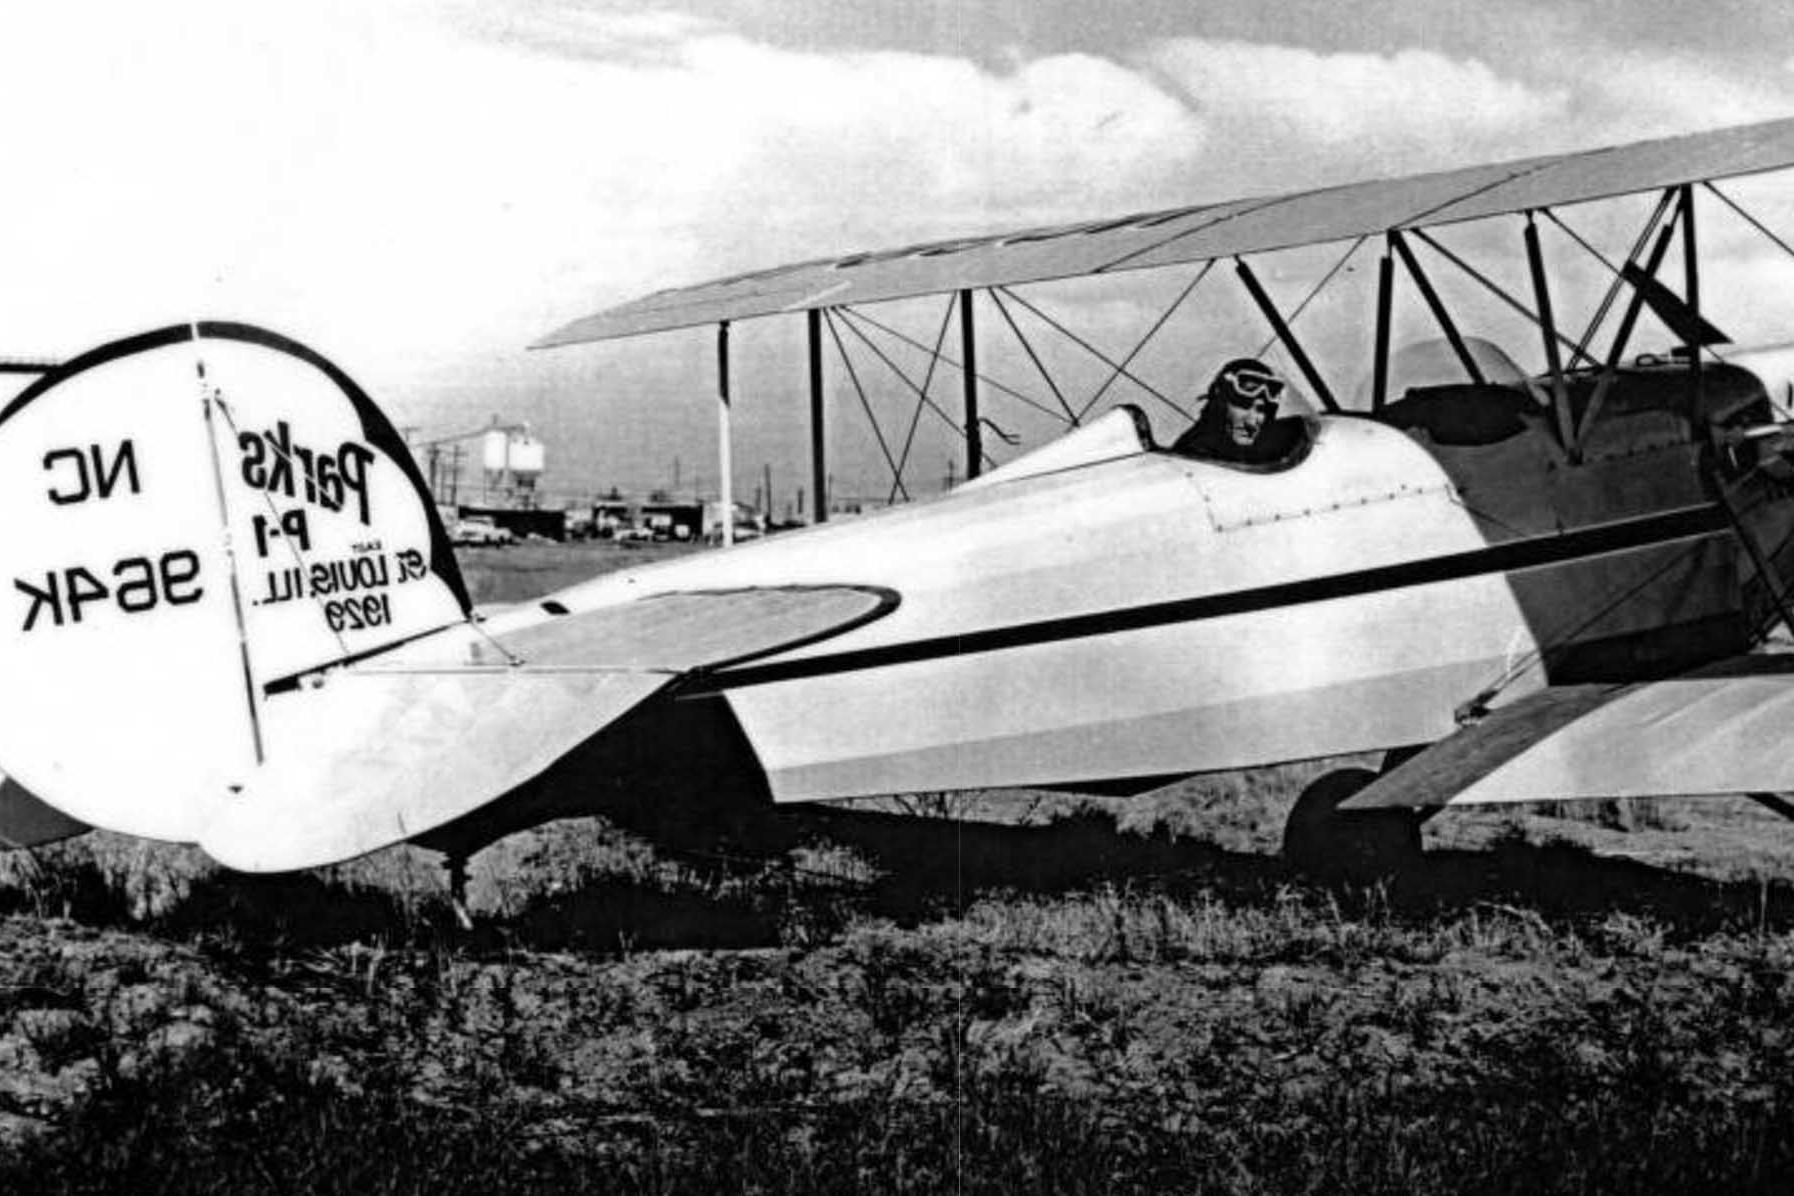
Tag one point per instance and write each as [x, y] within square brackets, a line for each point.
[1715, 731]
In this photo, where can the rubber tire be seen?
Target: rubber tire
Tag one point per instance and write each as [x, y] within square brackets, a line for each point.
[1340, 845]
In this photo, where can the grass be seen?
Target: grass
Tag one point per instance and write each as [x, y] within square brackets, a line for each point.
[1112, 1040]
[1208, 1023]
[1087, 996]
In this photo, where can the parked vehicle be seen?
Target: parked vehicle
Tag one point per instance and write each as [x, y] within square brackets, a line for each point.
[479, 531]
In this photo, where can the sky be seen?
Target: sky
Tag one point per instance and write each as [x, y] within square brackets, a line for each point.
[420, 189]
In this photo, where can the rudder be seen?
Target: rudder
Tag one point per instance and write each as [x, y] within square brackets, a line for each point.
[194, 516]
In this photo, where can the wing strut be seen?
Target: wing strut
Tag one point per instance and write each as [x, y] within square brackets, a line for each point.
[1385, 300]
[818, 454]
[1446, 324]
[968, 352]
[1294, 347]
[1494, 288]
[1315, 290]
[725, 465]
[1624, 333]
[1560, 394]
[1693, 336]
[1619, 273]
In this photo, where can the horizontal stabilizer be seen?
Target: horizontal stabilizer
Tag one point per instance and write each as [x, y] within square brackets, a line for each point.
[682, 632]
[1720, 730]
[370, 759]
[385, 750]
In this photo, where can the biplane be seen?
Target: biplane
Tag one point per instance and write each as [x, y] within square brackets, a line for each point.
[232, 616]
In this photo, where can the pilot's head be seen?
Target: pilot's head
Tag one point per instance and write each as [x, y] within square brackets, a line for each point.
[1247, 391]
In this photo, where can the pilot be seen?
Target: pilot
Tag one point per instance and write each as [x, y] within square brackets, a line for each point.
[1238, 421]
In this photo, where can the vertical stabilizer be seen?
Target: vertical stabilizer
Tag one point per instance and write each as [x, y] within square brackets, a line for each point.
[193, 516]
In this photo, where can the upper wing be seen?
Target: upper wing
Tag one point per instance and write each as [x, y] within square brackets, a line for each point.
[1719, 730]
[1240, 226]
[380, 752]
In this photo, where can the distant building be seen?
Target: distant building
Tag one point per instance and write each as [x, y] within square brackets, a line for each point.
[521, 522]
[669, 520]
[609, 516]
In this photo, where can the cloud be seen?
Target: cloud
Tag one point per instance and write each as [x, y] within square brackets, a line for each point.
[1648, 92]
[1362, 113]
[347, 166]
[895, 146]
[420, 189]
[581, 32]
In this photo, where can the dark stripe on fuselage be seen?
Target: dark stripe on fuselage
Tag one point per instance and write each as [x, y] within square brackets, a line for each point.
[1497, 558]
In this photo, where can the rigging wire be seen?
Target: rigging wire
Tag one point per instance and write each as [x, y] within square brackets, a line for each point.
[915, 418]
[1500, 293]
[1749, 219]
[986, 379]
[1561, 643]
[853, 375]
[1116, 368]
[1071, 417]
[847, 313]
[1619, 273]
[1150, 333]
[1318, 287]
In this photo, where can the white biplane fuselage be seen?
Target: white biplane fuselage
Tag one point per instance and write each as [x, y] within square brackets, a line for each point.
[1105, 610]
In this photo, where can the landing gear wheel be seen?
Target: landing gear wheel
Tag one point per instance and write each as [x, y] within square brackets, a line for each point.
[1348, 845]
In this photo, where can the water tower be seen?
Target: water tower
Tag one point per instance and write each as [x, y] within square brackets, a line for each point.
[513, 460]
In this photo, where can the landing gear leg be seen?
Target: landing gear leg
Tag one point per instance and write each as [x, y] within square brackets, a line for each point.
[457, 880]
[1348, 845]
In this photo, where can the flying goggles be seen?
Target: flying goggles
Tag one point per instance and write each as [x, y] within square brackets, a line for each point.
[1248, 387]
